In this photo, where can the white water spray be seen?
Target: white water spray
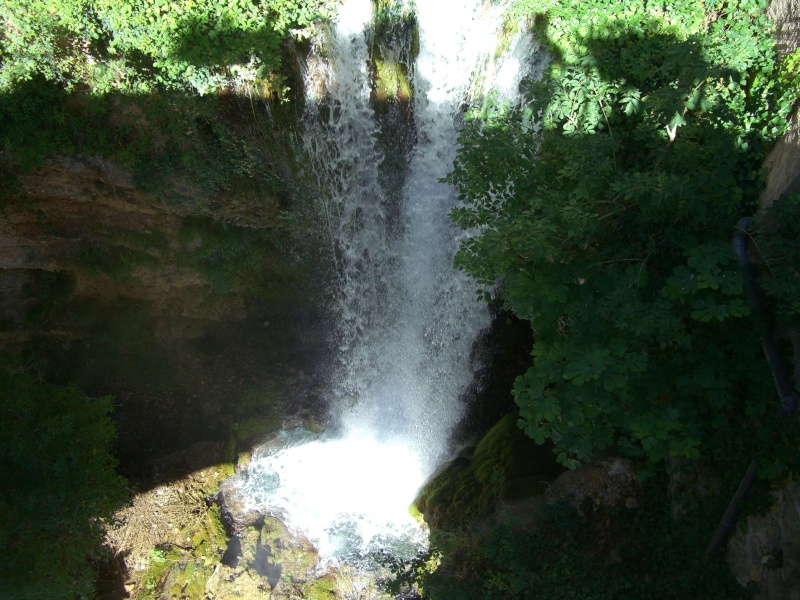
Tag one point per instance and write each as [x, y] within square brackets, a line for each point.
[405, 320]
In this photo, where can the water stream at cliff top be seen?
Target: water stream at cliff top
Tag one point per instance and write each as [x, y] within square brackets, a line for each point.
[405, 320]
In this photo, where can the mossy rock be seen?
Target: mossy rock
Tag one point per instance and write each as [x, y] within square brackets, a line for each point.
[183, 571]
[391, 81]
[321, 589]
[394, 47]
[257, 414]
[255, 430]
[504, 465]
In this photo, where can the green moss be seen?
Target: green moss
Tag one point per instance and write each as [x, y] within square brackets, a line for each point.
[324, 588]
[416, 514]
[504, 465]
[50, 289]
[296, 561]
[252, 429]
[394, 47]
[159, 564]
[391, 81]
[213, 529]
[259, 412]
[192, 580]
[176, 573]
[226, 470]
[113, 260]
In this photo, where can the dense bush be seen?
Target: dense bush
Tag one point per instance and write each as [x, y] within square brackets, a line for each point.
[59, 483]
[605, 211]
[135, 45]
[776, 251]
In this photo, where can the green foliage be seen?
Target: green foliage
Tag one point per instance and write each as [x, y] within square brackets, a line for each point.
[790, 72]
[137, 45]
[214, 144]
[59, 482]
[38, 118]
[605, 210]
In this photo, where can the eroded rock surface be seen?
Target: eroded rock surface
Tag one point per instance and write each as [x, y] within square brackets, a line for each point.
[767, 549]
[783, 162]
[190, 310]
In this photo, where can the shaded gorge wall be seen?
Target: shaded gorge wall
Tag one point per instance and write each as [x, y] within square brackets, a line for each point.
[164, 252]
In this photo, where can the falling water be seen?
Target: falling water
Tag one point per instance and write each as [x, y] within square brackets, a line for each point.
[405, 321]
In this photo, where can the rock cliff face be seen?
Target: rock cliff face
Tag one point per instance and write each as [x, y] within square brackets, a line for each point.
[201, 318]
[766, 549]
[783, 162]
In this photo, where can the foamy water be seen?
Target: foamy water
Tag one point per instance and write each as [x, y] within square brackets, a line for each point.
[350, 495]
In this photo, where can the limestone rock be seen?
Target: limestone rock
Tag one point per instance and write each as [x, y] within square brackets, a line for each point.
[767, 549]
[784, 160]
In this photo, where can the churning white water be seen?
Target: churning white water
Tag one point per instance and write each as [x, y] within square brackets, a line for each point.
[405, 320]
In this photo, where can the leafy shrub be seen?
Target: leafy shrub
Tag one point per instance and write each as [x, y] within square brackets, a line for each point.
[605, 210]
[138, 45]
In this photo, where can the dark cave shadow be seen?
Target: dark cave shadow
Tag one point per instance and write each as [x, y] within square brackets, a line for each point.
[190, 391]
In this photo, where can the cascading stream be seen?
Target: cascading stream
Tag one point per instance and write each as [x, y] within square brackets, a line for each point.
[341, 140]
[405, 320]
[438, 319]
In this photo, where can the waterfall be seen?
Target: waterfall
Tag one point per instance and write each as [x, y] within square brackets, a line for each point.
[405, 321]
